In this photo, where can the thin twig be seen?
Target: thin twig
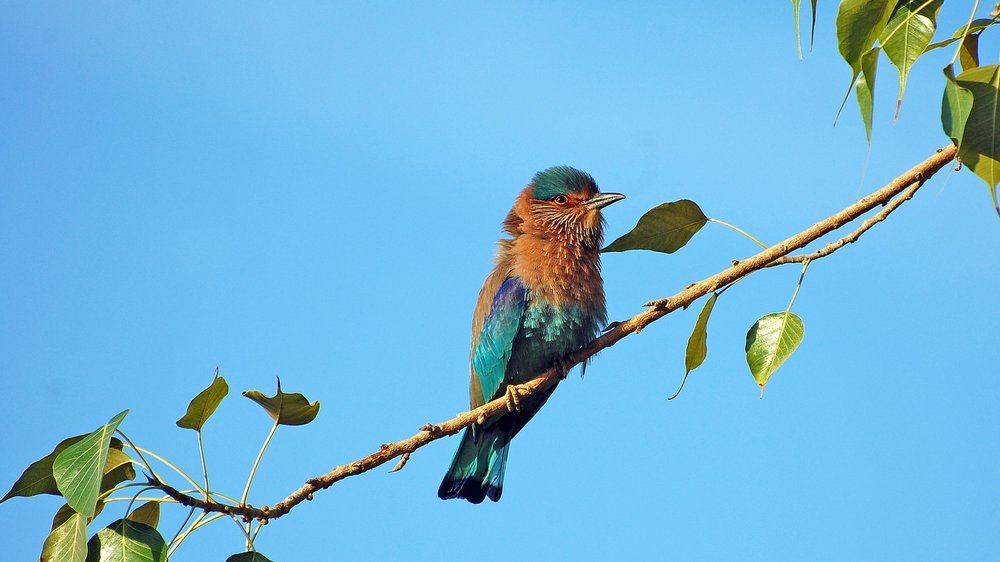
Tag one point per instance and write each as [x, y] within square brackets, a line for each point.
[658, 309]
[852, 237]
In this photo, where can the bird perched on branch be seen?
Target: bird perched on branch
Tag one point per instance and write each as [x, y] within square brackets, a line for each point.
[543, 300]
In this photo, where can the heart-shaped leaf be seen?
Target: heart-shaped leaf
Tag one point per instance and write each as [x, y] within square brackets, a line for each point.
[79, 469]
[148, 513]
[980, 148]
[38, 479]
[770, 341]
[664, 228]
[907, 34]
[859, 24]
[127, 541]
[285, 408]
[67, 542]
[204, 404]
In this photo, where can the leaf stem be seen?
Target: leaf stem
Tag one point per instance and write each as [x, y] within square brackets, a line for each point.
[178, 533]
[253, 471]
[204, 466]
[256, 463]
[148, 466]
[225, 497]
[164, 499]
[741, 231]
[805, 266]
[679, 389]
[177, 540]
[200, 522]
[183, 474]
[135, 497]
[122, 487]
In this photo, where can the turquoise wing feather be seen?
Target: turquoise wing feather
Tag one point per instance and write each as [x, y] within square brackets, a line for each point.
[496, 340]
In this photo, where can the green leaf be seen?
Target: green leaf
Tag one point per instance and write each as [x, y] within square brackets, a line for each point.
[38, 479]
[67, 542]
[248, 557]
[148, 513]
[65, 512]
[127, 541]
[204, 404]
[980, 148]
[286, 408]
[859, 23]
[664, 228]
[697, 346]
[976, 26]
[118, 469]
[968, 53]
[864, 88]
[955, 107]
[770, 341]
[78, 469]
[907, 34]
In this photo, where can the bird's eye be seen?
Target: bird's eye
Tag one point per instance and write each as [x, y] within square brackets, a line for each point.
[560, 199]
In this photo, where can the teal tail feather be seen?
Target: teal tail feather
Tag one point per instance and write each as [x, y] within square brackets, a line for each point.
[477, 470]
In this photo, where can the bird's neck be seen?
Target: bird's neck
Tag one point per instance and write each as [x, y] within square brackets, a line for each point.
[559, 270]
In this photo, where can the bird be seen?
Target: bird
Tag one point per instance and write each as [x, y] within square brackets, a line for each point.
[543, 300]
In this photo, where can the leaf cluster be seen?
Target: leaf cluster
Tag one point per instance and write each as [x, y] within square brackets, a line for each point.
[87, 470]
[902, 30]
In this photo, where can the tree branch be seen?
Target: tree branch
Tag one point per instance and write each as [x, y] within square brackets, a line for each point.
[774, 255]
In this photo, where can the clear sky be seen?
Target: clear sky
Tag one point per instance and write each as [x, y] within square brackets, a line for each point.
[313, 191]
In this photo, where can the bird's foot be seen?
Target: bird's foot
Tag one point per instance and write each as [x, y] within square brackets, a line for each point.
[513, 397]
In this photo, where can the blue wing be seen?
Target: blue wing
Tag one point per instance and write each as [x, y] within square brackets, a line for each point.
[492, 353]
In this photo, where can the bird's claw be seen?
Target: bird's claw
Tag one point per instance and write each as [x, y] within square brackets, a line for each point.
[513, 397]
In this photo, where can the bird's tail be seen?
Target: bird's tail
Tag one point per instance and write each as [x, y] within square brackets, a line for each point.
[477, 470]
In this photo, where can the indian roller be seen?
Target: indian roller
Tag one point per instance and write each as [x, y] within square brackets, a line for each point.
[543, 300]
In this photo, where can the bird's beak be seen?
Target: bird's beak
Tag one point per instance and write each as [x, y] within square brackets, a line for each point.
[602, 200]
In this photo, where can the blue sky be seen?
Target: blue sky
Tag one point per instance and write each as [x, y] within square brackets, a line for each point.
[313, 191]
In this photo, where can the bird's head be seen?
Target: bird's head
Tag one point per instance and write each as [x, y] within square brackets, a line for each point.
[561, 202]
